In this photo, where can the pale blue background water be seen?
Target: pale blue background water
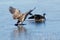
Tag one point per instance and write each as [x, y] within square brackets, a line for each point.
[50, 30]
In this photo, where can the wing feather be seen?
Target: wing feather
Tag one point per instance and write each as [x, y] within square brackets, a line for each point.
[15, 12]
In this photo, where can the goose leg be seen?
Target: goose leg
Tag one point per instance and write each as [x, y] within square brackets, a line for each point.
[17, 23]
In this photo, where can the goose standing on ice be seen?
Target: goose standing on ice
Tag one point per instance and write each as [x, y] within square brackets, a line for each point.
[38, 18]
[18, 15]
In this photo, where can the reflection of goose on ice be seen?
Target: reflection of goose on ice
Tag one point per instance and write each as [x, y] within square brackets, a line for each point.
[18, 15]
[38, 18]
[21, 28]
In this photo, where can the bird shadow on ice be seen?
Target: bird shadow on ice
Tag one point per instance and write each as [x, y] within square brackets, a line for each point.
[18, 33]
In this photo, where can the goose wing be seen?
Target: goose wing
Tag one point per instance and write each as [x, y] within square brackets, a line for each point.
[15, 12]
[37, 16]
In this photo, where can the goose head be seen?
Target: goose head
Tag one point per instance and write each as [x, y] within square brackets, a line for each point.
[44, 14]
[31, 11]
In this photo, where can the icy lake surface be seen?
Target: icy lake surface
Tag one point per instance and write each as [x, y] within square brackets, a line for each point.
[50, 30]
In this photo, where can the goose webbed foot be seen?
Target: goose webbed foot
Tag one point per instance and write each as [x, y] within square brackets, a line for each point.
[16, 24]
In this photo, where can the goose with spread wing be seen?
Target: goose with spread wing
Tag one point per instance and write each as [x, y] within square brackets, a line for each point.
[18, 15]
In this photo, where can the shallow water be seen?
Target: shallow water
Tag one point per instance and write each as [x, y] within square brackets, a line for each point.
[50, 30]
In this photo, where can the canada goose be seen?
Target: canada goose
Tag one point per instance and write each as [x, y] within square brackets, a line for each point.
[38, 18]
[18, 15]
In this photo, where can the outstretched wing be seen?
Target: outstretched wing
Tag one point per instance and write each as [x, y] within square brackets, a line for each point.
[15, 12]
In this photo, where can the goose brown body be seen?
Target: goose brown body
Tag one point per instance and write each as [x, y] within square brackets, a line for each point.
[18, 15]
[38, 18]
